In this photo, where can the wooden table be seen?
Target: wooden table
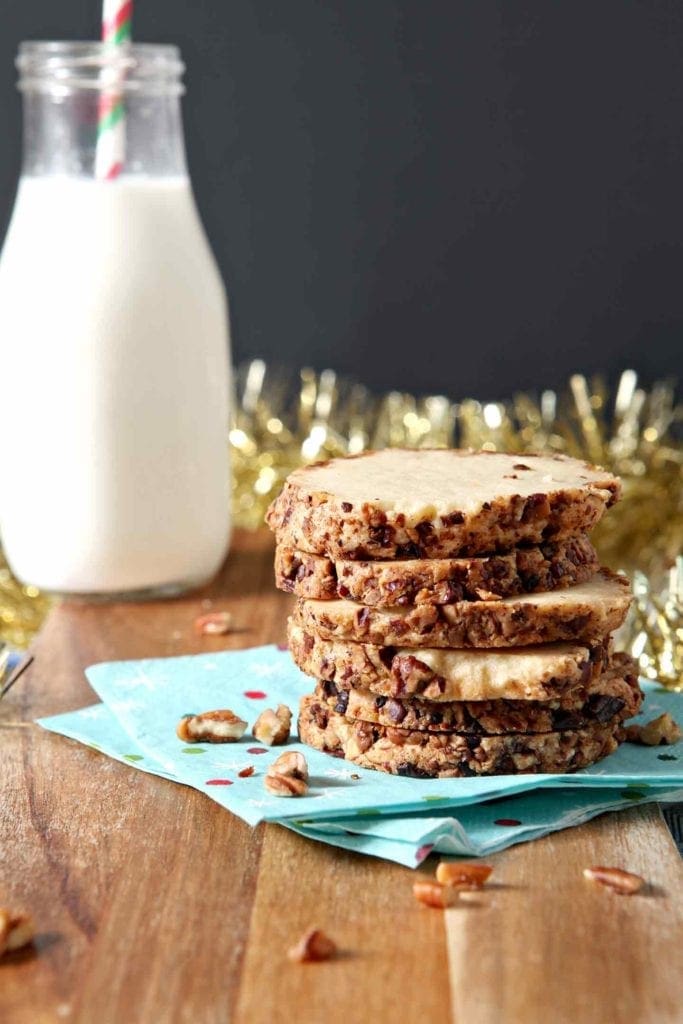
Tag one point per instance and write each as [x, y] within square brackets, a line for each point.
[155, 905]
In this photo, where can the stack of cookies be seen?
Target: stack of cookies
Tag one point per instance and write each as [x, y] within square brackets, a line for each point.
[453, 612]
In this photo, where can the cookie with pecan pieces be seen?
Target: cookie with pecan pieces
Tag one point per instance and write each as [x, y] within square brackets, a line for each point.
[592, 609]
[553, 565]
[429, 673]
[613, 695]
[450, 754]
[438, 503]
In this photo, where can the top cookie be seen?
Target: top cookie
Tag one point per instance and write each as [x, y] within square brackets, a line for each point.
[438, 503]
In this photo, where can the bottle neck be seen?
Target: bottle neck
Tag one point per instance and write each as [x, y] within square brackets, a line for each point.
[70, 91]
[61, 134]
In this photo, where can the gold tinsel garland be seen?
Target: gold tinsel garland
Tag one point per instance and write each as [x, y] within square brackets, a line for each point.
[22, 610]
[281, 421]
[654, 629]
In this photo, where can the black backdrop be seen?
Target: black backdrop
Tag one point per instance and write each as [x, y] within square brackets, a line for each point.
[458, 195]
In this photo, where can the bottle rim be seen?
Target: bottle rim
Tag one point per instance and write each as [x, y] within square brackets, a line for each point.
[62, 66]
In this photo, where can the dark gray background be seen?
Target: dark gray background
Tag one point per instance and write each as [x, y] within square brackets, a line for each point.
[452, 195]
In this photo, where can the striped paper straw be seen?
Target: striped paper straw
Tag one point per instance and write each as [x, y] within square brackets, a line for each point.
[111, 120]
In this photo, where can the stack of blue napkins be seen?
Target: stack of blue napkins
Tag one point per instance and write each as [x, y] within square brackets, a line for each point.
[397, 818]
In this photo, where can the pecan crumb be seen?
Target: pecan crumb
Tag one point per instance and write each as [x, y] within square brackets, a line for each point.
[662, 730]
[313, 946]
[211, 727]
[272, 727]
[16, 931]
[246, 772]
[288, 775]
[433, 894]
[292, 763]
[213, 624]
[285, 785]
[467, 876]
[354, 776]
[622, 882]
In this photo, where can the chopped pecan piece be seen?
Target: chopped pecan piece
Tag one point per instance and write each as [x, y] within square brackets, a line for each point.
[662, 730]
[285, 785]
[313, 946]
[213, 624]
[288, 775]
[364, 736]
[246, 772]
[211, 727]
[466, 876]
[16, 931]
[622, 882]
[433, 894]
[292, 763]
[272, 727]
[398, 736]
[453, 519]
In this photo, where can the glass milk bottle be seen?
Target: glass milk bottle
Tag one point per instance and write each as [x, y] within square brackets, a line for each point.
[114, 343]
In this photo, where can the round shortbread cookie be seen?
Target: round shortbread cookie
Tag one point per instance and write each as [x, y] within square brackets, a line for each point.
[437, 503]
[554, 565]
[613, 695]
[448, 755]
[438, 674]
[587, 610]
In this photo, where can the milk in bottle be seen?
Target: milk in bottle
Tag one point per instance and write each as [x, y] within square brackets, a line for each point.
[114, 345]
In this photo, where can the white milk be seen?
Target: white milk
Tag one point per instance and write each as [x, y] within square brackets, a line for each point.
[114, 362]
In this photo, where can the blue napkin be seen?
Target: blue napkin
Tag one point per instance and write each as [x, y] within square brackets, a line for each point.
[387, 816]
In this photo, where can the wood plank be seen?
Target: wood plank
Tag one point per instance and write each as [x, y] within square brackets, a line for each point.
[393, 964]
[546, 945]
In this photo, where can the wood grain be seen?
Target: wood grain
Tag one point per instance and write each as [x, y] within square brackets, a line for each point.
[546, 945]
[156, 906]
[393, 965]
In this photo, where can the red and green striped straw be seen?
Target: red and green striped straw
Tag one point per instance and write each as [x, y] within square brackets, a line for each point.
[111, 123]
